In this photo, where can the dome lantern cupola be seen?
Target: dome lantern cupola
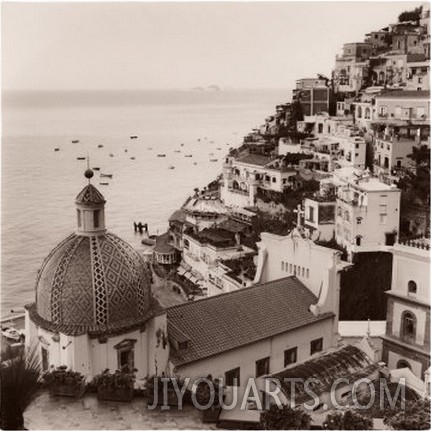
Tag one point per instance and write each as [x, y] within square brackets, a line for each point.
[90, 209]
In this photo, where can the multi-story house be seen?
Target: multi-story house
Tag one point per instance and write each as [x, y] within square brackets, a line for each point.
[405, 111]
[319, 217]
[406, 343]
[203, 250]
[243, 176]
[313, 95]
[391, 153]
[352, 67]
[367, 214]
[418, 74]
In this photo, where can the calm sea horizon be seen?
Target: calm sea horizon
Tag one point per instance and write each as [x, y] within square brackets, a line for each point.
[39, 184]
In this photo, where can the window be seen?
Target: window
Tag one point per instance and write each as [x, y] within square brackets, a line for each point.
[232, 377]
[290, 267]
[403, 364]
[320, 128]
[307, 273]
[274, 180]
[262, 367]
[96, 217]
[126, 354]
[78, 213]
[282, 266]
[45, 359]
[316, 346]
[358, 220]
[182, 345]
[412, 286]
[356, 146]
[290, 356]
[311, 214]
[339, 212]
[408, 326]
[346, 216]
[186, 244]
[383, 218]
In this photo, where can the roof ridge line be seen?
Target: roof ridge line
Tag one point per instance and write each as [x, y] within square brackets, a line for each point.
[254, 286]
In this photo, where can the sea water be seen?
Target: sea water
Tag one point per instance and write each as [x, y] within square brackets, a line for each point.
[39, 184]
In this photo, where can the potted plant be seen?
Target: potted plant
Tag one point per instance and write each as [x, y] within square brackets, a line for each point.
[118, 386]
[64, 382]
[204, 393]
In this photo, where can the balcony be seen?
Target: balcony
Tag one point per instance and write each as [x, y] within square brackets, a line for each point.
[238, 191]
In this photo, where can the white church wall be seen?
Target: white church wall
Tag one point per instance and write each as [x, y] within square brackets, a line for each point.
[158, 346]
[245, 357]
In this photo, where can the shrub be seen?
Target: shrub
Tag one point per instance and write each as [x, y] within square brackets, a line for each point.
[285, 418]
[348, 420]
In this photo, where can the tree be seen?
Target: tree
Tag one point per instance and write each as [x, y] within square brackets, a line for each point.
[415, 416]
[410, 15]
[349, 420]
[285, 418]
[20, 383]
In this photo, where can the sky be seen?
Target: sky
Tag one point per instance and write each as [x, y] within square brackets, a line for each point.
[67, 46]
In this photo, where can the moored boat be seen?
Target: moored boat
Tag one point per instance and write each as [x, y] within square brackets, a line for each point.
[102, 183]
[100, 146]
[106, 175]
[161, 155]
[75, 141]
[80, 158]
[96, 168]
[56, 149]
[133, 137]
[188, 155]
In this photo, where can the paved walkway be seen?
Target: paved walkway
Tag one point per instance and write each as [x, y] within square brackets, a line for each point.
[87, 413]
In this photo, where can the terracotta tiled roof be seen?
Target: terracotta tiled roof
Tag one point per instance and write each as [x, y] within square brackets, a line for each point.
[228, 321]
[255, 159]
[345, 361]
[90, 195]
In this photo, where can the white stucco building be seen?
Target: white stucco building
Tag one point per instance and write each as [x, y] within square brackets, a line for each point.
[406, 343]
[243, 176]
[367, 214]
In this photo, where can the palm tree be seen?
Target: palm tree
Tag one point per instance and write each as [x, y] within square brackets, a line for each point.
[20, 383]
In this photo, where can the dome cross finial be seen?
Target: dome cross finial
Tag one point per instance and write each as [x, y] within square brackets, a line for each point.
[88, 173]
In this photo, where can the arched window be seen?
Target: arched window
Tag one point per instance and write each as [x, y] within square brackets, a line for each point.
[358, 240]
[359, 112]
[235, 185]
[412, 286]
[186, 244]
[339, 212]
[408, 328]
[367, 113]
[402, 363]
[346, 216]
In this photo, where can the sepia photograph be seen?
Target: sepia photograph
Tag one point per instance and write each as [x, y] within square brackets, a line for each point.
[215, 215]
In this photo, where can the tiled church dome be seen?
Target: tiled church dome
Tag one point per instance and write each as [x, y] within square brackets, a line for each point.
[93, 280]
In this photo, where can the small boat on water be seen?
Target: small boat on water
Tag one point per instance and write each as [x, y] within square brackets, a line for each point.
[199, 139]
[125, 150]
[133, 137]
[177, 151]
[161, 155]
[56, 149]
[213, 160]
[111, 155]
[100, 146]
[195, 163]
[106, 175]
[81, 158]
[211, 142]
[188, 155]
[76, 141]
[218, 148]
[102, 183]
[96, 168]
[171, 167]
[182, 145]
[150, 148]
[210, 154]
[132, 158]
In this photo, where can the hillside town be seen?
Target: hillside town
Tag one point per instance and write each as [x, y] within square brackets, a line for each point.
[307, 257]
